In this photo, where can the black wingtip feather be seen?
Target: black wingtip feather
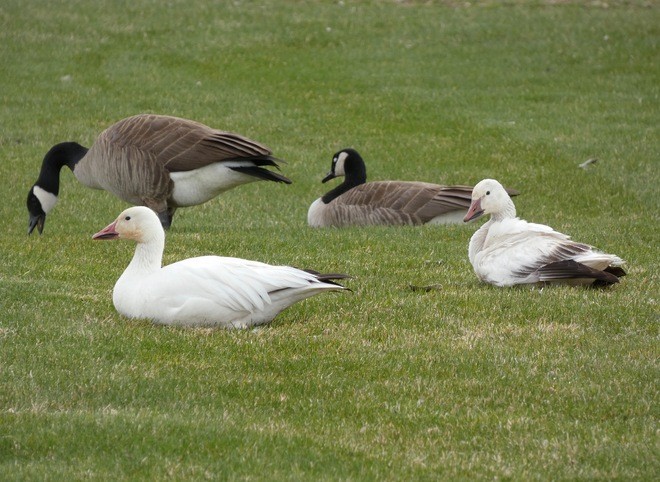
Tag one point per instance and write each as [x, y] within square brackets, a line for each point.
[570, 269]
[262, 173]
[616, 271]
[329, 277]
[263, 160]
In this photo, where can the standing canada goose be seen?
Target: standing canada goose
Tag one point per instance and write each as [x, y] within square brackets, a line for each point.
[356, 202]
[508, 251]
[157, 161]
[203, 291]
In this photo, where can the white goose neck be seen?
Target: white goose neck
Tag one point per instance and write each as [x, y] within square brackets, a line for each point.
[507, 211]
[148, 255]
[478, 239]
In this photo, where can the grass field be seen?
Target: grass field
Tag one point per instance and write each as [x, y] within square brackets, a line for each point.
[465, 381]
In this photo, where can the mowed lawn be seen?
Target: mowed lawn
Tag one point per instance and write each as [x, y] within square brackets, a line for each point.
[458, 381]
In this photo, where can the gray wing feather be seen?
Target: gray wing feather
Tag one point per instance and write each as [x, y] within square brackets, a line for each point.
[561, 265]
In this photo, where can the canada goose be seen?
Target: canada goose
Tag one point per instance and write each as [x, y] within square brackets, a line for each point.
[203, 291]
[356, 202]
[508, 251]
[157, 161]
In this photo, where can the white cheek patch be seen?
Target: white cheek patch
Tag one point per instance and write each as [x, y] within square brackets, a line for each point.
[47, 199]
[339, 166]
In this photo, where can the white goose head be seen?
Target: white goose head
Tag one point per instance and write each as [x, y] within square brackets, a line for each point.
[138, 223]
[490, 197]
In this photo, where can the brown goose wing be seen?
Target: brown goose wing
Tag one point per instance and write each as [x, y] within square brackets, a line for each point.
[181, 144]
[449, 199]
[410, 202]
[446, 200]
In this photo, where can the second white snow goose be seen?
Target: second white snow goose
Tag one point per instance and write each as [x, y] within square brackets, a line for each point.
[203, 291]
[508, 251]
[356, 202]
[157, 161]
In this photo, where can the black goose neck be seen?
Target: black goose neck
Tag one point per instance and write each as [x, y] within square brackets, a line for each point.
[355, 169]
[355, 174]
[63, 154]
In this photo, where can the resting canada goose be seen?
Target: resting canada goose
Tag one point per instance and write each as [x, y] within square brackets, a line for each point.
[508, 251]
[356, 202]
[203, 291]
[157, 161]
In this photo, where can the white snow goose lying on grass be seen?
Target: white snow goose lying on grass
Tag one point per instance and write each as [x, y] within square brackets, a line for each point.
[356, 202]
[508, 251]
[203, 291]
[157, 161]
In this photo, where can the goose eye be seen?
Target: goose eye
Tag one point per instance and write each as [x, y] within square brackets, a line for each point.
[487, 193]
[127, 218]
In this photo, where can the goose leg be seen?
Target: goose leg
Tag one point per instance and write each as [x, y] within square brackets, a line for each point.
[170, 214]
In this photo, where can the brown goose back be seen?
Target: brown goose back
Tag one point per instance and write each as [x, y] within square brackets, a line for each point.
[179, 144]
[395, 203]
[133, 157]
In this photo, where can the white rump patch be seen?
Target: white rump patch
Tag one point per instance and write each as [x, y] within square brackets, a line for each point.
[203, 184]
[315, 214]
[47, 199]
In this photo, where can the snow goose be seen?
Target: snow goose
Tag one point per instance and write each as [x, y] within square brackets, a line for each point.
[203, 291]
[157, 161]
[356, 202]
[508, 251]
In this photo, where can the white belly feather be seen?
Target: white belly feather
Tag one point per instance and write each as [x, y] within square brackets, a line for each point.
[203, 184]
[452, 217]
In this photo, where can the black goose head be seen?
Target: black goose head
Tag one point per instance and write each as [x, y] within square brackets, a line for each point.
[350, 164]
[36, 211]
[43, 194]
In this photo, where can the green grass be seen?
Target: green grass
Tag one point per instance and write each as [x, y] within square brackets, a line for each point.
[466, 381]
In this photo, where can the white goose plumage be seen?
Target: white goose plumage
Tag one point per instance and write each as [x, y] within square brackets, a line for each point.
[203, 291]
[508, 251]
